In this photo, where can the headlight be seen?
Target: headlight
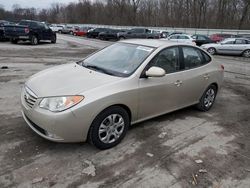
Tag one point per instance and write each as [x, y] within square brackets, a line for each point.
[58, 104]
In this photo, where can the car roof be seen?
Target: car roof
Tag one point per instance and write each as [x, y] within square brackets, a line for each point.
[155, 43]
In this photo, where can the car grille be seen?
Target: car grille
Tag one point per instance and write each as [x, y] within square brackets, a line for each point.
[29, 97]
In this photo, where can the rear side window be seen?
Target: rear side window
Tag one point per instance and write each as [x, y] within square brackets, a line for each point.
[240, 41]
[168, 59]
[201, 38]
[193, 57]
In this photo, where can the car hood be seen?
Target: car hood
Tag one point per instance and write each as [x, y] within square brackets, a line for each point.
[70, 79]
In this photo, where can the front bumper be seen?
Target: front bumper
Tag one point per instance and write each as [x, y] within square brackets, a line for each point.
[59, 127]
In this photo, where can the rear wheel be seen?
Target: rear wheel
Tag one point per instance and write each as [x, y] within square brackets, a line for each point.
[109, 127]
[208, 98]
[14, 41]
[34, 40]
[246, 53]
[121, 38]
[53, 39]
[211, 50]
[71, 32]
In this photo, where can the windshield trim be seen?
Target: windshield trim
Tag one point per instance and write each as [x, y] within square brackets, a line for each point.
[115, 73]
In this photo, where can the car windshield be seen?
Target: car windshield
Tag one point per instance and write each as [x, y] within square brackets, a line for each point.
[119, 59]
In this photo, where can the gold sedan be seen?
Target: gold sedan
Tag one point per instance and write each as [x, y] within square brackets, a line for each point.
[97, 99]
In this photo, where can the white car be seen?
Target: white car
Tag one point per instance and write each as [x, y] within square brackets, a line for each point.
[230, 46]
[183, 38]
[56, 28]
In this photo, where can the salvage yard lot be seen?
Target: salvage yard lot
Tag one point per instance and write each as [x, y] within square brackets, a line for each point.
[161, 152]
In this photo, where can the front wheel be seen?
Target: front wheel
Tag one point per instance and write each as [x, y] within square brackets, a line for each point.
[109, 127]
[53, 39]
[14, 41]
[212, 51]
[34, 40]
[207, 99]
[121, 38]
[246, 53]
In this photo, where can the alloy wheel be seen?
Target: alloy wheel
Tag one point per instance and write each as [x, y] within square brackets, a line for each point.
[246, 53]
[111, 128]
[209, 98]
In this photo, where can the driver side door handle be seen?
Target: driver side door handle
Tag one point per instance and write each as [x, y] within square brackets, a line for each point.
[178, 83]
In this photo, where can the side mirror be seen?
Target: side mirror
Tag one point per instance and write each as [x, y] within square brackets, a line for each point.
[155, 72]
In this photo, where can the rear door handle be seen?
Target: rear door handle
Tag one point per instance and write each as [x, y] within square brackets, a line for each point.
[178, 83]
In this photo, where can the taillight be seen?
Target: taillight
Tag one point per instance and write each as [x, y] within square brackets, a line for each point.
[26, 30]
[222, 67]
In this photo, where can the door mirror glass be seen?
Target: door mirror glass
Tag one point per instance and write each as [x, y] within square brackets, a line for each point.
[155, 72]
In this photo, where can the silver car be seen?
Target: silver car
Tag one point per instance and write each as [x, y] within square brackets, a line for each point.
[97, 99]
[183, 38]
[230, 46]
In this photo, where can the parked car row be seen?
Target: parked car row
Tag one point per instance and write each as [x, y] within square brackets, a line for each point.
[34, 31]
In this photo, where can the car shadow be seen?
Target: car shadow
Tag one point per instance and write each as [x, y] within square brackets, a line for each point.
[27, 43]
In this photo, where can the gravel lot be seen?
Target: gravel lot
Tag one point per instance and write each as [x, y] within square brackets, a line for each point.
[161, 152]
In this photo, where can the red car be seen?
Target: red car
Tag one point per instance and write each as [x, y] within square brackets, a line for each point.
[81, 31]
[220, 37]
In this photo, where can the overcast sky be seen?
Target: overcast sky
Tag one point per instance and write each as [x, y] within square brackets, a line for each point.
[7, 4]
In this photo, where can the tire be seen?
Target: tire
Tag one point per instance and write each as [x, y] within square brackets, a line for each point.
[208, 98]
[211, 50]
[14, 41]
[71, 32]
[121, 38]
[60, 31]
[53, 39]
[103, 134]
[34, 40]
[246, 54]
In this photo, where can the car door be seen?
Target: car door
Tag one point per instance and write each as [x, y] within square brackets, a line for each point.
[226, 47]
[161, 95]
[131, 34]
[239, 46]
[196, 75]
[200, 40]
[173, 38]
[47, 32]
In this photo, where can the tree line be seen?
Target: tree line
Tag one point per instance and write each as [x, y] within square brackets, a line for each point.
[227, 14]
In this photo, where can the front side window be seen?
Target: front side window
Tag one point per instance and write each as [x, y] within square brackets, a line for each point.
[192, 57]
[167, 59]
[183, 37]
[119, 59]
[174, 37]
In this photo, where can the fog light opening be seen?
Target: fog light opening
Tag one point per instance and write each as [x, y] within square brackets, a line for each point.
[51, 135]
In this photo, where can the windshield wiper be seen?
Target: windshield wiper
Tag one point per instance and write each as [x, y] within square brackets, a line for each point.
[96, 68]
